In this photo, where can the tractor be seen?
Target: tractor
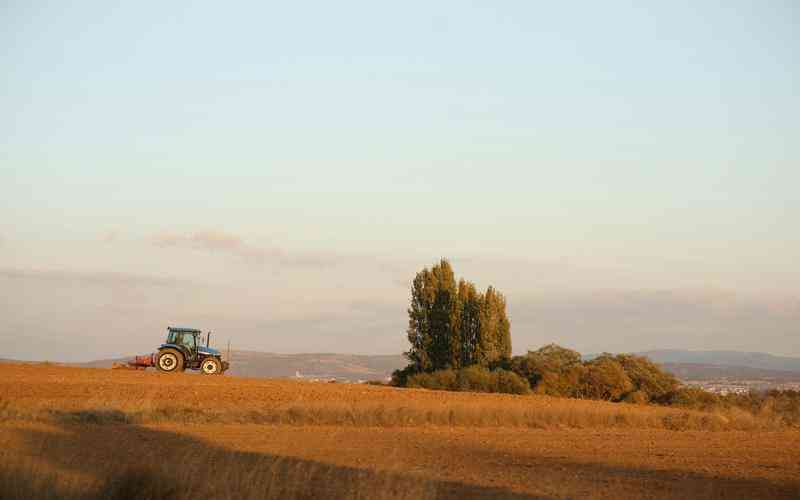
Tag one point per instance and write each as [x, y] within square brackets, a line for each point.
[183, 350]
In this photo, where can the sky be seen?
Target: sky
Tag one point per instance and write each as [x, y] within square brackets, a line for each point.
[626, 173]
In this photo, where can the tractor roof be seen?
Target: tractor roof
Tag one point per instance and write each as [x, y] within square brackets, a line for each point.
[183, 329]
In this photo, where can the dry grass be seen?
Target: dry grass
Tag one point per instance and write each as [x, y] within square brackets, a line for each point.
[57, 394]
[192, 472]
[553, 414]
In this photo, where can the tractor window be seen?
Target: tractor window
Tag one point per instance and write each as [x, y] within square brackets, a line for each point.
[188, 341]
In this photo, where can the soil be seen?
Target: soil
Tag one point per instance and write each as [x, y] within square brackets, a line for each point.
[494, 462]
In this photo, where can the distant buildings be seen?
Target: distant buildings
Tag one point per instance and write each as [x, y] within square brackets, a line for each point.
[724, 387]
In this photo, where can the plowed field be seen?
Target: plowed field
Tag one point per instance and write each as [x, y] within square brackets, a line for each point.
[69, 431]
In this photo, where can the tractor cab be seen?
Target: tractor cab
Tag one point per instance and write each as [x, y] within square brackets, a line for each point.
[183, 350]
[186, 339]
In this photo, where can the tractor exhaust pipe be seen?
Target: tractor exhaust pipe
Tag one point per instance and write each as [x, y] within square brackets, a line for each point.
[208, 339]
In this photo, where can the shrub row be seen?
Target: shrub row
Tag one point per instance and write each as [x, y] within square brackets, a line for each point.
[473, 378]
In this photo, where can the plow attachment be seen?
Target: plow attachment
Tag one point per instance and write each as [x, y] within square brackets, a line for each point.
[137, 363]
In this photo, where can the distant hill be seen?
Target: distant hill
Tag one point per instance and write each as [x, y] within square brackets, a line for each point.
[316, 365]
[695, 371]
[758, 360]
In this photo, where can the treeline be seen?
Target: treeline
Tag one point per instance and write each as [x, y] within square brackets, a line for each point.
[556, 371]
[460, 340]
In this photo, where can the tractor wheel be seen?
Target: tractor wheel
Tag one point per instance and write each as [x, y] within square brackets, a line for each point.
[211, 366]
[170, 361]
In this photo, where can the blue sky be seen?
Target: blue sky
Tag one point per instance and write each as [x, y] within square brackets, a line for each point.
[568, 150]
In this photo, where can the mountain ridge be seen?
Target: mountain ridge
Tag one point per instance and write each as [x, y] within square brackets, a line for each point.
[758, 360]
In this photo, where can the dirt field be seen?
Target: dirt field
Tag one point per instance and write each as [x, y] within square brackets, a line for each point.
[67, 431]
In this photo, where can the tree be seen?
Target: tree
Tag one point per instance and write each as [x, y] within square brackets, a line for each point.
[551, 370]
[605, 378]
[433, 319]
[646, 377]
[470, 323]
[452, 326]
[494, 333]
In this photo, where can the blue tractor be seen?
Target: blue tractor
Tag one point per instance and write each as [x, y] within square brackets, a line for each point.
[183, 350]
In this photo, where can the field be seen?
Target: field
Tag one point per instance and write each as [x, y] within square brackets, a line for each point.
[96, 433]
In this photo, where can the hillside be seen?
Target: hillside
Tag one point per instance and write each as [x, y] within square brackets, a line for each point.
[698, 371]
[725, 358]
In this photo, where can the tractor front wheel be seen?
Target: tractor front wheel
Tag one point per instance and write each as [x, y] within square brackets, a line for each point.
[170, 361]
[211, 366]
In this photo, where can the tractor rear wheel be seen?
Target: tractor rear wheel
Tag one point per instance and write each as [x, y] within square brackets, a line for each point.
[211, 366]
[170, 361]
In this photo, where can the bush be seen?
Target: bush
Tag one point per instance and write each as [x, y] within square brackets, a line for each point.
[400, 377]
[564, 384]
[473, 379]
[552, 370]
[636, 398]
[605, 378]
[509, 382]
[781, 407]
[691, 397]
[549, 359]
[647, 377]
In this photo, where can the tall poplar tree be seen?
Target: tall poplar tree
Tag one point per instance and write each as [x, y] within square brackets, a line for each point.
[453, 325]
[470, 323]
[433, 318]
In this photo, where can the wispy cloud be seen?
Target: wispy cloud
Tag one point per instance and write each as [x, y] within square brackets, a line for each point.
[204, 240]
[230, 244]
[110, 236]
[88, 277]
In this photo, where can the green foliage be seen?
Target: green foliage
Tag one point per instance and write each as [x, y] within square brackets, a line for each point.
[551, 370]
[557, 371]
[510, 383]
[605, 378]
[646, 377]
[400, 377]
[472, 378]
[691, 397]
[636, 398]
[433, 319]
[451, 325]
[566, 384]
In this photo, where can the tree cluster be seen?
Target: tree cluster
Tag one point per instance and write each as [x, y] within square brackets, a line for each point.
[557, 371]
[452, 325]
[461, 341]
[472, 379]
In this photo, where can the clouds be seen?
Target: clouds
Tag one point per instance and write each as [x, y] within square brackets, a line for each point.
[104, 314]
[204, 240]
[227, 244]
[88, 277]
[268, 298]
